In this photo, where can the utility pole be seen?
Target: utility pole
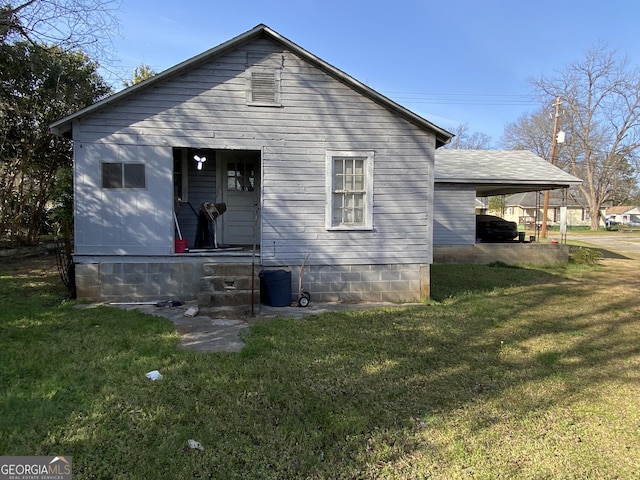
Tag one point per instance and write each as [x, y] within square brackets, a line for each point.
[554, 143]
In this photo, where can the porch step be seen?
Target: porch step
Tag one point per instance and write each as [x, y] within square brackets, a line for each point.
[226, 283]
[228, 286]
[237, 298]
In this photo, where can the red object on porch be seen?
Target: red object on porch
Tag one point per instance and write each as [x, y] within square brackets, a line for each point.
[181, 245]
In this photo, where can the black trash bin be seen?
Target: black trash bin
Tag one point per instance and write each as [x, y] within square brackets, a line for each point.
[275, 288]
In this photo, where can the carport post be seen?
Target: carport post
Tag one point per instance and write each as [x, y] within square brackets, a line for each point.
[563, 217]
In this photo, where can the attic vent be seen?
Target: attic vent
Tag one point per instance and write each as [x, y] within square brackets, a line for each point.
[264, 87]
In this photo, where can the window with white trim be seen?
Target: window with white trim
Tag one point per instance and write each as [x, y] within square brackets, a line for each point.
[123, 175]
[263, 87]
[349, 190]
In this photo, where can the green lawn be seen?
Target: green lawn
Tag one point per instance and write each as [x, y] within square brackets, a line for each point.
[509, 373]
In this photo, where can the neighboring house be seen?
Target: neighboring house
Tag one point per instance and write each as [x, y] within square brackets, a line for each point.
[622, 214]
[305, 159]
[527, 209]
[464, 175]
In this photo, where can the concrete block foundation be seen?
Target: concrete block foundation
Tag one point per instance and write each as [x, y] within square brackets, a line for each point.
[181, 277]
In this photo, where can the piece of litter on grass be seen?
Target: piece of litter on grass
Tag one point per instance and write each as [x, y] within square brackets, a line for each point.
[195, 445]
[191, 312]
[154, 375]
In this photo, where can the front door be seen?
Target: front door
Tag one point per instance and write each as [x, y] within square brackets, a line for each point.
[240, 178]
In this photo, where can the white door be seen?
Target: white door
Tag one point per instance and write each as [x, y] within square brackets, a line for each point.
[240, 178]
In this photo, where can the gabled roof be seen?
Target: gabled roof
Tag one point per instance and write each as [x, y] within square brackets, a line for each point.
[532, 200]
[620, 209]
[64, 125]
[500, 172]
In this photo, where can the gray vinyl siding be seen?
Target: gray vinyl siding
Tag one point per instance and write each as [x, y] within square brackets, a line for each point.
[206, 108]
[123, 221]
[454, 215]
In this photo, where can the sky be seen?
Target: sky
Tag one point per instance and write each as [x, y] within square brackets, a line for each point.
[452, 62]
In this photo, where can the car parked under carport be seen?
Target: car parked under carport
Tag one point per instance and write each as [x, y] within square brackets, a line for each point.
[490, 228]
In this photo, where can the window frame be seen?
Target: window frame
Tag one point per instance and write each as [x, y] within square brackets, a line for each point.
[368, 158]
[123, 176]
[181, 177]
[277, 102]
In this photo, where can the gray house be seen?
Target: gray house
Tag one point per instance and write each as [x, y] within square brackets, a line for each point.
[462, 176]
[292, 157]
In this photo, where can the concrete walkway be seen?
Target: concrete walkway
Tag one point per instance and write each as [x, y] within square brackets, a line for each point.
[202, 332]
[222, 330]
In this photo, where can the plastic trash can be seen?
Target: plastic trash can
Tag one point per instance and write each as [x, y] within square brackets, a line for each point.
[275, 288]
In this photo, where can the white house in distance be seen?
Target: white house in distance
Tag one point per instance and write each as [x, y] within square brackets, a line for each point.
[300, 158]
[526, 209]
[622, 214]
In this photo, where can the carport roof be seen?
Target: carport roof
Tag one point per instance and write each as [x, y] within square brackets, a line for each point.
[500, 172]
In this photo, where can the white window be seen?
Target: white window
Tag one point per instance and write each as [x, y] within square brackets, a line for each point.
[263, 87]
[123, 175]
[349, 180]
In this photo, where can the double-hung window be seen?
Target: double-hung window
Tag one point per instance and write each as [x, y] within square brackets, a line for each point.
[349, 190]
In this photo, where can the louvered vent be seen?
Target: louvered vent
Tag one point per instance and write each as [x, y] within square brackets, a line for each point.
[263, 87]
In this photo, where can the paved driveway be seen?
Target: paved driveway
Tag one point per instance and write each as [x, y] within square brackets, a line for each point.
[612, 243]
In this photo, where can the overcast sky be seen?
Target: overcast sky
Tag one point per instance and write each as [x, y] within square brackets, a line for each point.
[452, 62]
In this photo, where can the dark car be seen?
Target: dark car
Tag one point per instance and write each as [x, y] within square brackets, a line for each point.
[491, 228]
[611, 224]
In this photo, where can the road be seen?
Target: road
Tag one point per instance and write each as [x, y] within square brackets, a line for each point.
[620, 242]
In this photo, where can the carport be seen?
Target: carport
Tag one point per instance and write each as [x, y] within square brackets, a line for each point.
[463, 176]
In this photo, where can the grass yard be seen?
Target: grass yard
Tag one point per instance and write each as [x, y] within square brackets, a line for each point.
[510, 373]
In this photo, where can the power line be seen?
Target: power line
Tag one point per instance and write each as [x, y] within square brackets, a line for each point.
[462, 98]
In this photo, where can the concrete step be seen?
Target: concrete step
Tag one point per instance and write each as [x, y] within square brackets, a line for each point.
[229, 298]
[228, 286]
[215, 283]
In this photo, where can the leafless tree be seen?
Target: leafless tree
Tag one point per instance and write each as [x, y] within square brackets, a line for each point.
[532, 131]
[463, 140]
[600, 95]
[68, 24]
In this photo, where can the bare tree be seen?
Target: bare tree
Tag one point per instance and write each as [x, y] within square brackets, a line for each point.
[601, 101]
[68, 24]
[531, 132]
[463, 140]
